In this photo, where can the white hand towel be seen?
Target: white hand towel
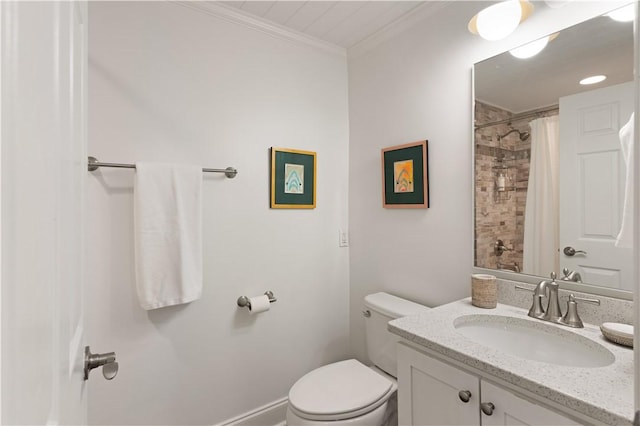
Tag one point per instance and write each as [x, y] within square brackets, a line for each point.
[168, 234]
[625, 237]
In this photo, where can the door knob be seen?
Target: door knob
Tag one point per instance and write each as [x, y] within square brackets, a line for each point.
[107, 361]
[570, 251]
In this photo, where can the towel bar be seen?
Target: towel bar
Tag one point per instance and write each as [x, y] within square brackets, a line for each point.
[93, 164]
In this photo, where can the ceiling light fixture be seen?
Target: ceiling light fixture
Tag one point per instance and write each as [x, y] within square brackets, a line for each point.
[532, 49]
[501, 19]
[593, 79]
[624, 14]
[556, 4]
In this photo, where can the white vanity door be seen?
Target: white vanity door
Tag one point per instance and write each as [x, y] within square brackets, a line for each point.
[428, 391]
[512, 410]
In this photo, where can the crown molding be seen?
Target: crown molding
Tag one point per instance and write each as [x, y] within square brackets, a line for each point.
[236, 16]
[403, 23]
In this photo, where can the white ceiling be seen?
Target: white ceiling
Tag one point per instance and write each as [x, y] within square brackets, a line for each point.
[343, 23]
[598, 46]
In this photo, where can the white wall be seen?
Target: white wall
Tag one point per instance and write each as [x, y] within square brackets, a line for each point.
[168, 83]
[412, 86]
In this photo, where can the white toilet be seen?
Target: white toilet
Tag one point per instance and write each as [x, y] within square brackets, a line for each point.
[348, 392]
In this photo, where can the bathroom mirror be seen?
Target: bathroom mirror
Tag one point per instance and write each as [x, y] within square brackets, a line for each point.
[550, 169]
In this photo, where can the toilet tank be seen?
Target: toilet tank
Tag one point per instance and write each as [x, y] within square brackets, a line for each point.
[381, 344]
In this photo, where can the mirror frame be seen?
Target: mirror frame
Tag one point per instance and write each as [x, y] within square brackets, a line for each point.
[534, 279]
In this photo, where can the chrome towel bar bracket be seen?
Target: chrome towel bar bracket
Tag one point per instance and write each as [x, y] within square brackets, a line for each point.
[244, 302]
[93, 164]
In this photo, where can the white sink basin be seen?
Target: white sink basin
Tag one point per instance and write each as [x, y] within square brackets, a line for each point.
[533, 340]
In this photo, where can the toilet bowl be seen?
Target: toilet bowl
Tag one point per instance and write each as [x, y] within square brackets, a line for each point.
[349, 392]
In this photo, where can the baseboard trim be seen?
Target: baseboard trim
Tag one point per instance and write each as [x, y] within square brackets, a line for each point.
[272, 414]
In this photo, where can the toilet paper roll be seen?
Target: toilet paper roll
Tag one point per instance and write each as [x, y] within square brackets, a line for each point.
[259, 304]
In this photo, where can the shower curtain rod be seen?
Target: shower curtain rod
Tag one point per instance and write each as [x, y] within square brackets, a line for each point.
[93, 164]
[516, 117]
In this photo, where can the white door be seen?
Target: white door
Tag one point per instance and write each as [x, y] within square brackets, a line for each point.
[592, 179]
[431, 392]
[43, 166]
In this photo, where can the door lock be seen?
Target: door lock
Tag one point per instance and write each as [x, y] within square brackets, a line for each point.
[107, 361]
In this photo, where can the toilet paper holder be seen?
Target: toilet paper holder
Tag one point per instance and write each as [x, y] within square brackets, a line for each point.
[244, 302]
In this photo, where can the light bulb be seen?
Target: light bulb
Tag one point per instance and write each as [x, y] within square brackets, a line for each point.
[498, 21]
[556, 4]
[624, 14]
[530, 49]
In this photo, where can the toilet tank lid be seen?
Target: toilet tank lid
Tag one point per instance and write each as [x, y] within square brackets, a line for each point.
[393, 306]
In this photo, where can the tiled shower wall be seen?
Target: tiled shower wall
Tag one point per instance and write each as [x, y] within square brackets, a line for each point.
[499, 214]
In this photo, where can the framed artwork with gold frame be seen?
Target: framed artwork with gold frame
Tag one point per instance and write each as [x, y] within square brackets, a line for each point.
[293, 179]
[405, 182]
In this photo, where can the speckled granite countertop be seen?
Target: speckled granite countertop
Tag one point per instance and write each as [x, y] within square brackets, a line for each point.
[604, 393]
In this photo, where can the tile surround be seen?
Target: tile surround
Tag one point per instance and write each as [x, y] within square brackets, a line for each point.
[500, 215]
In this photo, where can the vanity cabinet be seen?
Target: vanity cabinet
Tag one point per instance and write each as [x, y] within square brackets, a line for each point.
[432, 392]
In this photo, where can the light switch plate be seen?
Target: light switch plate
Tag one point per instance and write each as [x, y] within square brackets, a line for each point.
[343, 238]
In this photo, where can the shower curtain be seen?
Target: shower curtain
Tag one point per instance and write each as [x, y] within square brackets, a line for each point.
[541, 217]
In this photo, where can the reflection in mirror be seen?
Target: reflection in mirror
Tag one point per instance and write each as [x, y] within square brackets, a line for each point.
[552, 156]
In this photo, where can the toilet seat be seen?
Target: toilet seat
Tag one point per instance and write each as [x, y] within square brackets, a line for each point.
[339, 391]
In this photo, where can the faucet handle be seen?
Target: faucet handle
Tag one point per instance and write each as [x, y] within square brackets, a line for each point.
[571, 318]
[585, 299]
[553, 276]
[536, 310]
[519, 287]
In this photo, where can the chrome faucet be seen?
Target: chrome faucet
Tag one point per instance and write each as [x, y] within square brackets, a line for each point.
[509, 266]
[545, 288]
[553, 313]
[550, 289]
[571, 275]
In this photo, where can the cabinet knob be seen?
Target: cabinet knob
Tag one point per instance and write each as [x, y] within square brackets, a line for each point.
[464, 396]
[487, 408]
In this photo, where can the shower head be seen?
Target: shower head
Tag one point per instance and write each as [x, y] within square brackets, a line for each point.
[523, 135]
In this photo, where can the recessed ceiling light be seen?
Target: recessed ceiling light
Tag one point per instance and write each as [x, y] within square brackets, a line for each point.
[501, 19]
[624, 14]
[593, 79]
